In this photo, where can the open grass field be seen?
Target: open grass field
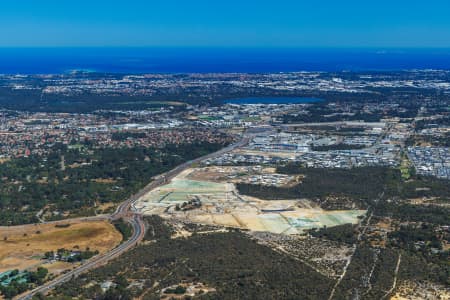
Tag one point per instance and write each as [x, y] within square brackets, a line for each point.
[22, 247]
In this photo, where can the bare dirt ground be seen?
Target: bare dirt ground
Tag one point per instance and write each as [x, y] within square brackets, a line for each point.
[22, 247]
[421, 290]
[219, 174]
[266, 153]
[192, 290]
[221, 204]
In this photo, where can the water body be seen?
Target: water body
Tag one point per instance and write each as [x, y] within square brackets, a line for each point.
[273, 100]
[206, 60]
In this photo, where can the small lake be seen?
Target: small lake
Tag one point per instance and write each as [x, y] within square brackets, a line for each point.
[273, 100]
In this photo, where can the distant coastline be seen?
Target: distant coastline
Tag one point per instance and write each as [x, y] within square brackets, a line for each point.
[216, 60]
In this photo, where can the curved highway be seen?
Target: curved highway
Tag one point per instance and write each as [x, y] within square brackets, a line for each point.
[124, 211]
[138, 235]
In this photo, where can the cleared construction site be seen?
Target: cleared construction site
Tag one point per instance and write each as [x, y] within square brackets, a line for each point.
[208, 196]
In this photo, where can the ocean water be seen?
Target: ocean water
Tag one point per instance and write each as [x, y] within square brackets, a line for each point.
[206, 60]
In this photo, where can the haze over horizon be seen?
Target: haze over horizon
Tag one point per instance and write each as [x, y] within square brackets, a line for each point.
[173, 149]
[290, 24]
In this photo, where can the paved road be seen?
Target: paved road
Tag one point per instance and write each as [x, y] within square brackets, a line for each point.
[163, 178]
[138, 234]
[125, 211]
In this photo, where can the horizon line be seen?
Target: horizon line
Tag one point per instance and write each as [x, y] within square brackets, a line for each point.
[226, 47]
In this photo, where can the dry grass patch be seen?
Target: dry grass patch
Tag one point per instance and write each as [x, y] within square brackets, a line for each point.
[21, 247]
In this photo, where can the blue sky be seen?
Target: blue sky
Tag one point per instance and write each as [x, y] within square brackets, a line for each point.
[324, 23]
